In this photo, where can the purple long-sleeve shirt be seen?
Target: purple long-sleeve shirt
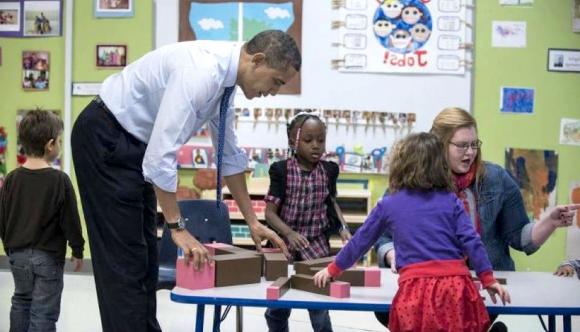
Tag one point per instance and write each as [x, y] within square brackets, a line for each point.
[426, 225]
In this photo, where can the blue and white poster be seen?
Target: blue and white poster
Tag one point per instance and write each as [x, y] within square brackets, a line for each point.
[403, 36]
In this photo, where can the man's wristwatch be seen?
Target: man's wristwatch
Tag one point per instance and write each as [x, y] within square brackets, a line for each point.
[179, 224]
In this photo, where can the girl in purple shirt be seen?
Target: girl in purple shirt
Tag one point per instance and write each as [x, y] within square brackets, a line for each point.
[432, 235]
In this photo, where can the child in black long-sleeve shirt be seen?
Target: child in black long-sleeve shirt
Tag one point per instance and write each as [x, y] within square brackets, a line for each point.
[38, 215]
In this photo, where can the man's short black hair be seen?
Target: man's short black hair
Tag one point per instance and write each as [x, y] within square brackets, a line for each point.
[280, 49]
[36, 129]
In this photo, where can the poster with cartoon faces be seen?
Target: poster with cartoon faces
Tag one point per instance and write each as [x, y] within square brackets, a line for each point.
[405, 36]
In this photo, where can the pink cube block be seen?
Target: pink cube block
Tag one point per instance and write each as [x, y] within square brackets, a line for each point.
[477, 284]
[340, 289]
[190, 278]
[272, 293]
[372, 277]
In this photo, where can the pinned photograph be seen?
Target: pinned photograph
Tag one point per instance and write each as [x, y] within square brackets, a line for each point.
[114, 8]
[111, 56]
[509, 34]
[570, 131]
[9, 17]
[35, 70]
[199, 158]
[42, 18]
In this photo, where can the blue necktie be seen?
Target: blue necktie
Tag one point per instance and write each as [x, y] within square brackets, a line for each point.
[224, 106]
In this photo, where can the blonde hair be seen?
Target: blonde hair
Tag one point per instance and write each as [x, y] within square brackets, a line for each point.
[447, 122]
[418, 162]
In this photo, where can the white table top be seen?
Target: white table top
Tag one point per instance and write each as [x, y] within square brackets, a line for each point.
[531, 293]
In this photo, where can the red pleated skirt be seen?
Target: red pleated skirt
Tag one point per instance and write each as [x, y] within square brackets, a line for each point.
[437, 296]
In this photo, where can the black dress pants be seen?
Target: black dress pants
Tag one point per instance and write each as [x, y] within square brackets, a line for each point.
[119, 209]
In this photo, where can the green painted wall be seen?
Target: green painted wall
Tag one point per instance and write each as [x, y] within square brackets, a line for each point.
[549, 25]
[135, 32]
[557, 96]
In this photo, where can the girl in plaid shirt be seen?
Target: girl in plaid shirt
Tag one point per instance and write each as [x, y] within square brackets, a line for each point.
[302, 189]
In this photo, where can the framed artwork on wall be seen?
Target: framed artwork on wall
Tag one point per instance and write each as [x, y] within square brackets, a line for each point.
[564, 60]
[38, 18]
[111, 56]
[237, 21]
[42, 18]
[10, 18]
[35, 70]
[114, 8]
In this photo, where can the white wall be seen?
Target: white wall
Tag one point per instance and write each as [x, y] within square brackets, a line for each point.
[323, 87]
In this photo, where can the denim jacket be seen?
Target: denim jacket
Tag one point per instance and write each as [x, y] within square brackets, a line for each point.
[503, 218]
[575, 264]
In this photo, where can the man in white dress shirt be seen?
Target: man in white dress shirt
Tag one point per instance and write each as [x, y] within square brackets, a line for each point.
[124, 146]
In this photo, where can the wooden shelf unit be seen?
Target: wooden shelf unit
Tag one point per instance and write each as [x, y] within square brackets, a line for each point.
[354, 203]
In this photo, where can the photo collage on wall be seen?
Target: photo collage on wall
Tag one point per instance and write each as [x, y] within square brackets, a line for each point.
[35, 70]
[402, 36]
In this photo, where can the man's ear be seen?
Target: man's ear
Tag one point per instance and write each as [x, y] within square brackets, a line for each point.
[258, 58]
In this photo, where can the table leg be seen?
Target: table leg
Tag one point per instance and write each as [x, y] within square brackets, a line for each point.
[239, 319]
[199, 318]
[552, 323]
[567, 323]
[217, 313]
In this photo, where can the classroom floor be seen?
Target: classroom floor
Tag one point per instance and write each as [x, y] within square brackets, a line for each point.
[79, 313]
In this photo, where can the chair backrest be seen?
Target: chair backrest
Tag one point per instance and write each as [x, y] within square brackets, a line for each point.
[205, 222]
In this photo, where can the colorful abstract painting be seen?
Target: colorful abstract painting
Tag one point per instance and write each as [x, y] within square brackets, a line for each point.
[517, 100]
[535, 172]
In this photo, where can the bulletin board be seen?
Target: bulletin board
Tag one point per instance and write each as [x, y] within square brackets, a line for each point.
[325, 87]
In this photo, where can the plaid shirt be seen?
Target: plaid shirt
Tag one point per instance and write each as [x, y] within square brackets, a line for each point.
[304, 209]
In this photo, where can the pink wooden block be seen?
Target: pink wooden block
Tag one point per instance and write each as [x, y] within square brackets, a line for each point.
[269, 250]
[211, 247]
[477, 284]
[188, 277]
[272, 293]
[372, 277]
[340, 289]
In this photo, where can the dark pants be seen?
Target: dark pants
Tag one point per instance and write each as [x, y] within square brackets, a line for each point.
[277, 320]
[37, 290]
[119, 209]
[383, 318]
